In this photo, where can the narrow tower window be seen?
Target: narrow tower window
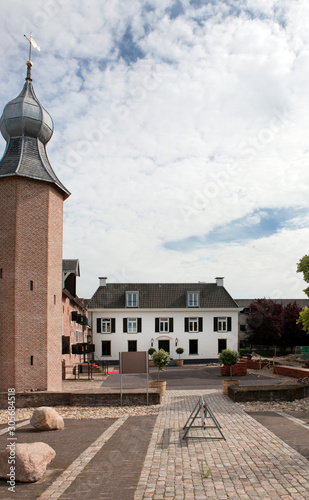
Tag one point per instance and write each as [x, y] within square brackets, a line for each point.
[0, 273]
[31, 360]
[31, 285]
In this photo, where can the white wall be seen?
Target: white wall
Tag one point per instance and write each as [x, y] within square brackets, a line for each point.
[207, 340]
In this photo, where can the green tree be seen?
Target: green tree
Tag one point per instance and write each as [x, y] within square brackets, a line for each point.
[304, 319]
[303, 267]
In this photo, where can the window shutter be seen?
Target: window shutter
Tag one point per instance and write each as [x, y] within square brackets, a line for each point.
[99, 325]
[200, 324]
[171, 324]
[113, 325]
[125, 325]
[139, 325]
[229, 324]
[186, 324]
[215, 324]
[157, 321]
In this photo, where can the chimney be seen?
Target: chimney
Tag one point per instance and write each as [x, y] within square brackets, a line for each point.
[219, 281]
[103, 281]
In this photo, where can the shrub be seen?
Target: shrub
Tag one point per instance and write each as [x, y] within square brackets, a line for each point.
[180, 351]
[228, 357]
[151, 351]
[160, 359]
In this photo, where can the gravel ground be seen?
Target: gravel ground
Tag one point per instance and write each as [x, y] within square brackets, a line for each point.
[83, 412]
[78, 412]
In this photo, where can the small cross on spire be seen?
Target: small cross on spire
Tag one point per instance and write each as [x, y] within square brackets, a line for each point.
[33, 43]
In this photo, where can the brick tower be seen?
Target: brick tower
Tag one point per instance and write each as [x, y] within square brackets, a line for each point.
[31, 232]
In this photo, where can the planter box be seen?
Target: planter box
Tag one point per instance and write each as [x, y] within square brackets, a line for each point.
[158, 384]
[238, 370]
[228, 383]
[179, 362]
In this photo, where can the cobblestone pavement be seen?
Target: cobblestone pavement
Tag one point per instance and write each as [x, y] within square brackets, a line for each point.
[145, 457]
[137, 453]
[252, 463]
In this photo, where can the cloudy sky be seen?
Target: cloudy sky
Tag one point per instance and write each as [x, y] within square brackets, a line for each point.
[182, 132]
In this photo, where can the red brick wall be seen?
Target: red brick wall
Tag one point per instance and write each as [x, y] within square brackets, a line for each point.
[30, 250]
[69, 329]
[291, 371]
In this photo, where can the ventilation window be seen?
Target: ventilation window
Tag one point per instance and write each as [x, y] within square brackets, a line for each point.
[31, 360]
[55, 299]
[0, 273]
[31, 285]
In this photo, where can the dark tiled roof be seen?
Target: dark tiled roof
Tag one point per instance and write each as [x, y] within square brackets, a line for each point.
[26, 157]
[71, 266]
[160, 295]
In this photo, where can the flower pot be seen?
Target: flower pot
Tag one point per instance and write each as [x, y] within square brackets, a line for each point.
[158, 384]
[227, 384]
[151, 363]
[179, 362]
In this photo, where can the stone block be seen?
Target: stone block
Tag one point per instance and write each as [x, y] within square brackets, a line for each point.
[29, 461]
[46, 419]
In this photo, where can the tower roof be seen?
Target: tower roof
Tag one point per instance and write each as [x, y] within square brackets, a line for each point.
[27, 127]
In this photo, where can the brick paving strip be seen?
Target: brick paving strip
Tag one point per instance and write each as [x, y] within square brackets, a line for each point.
[65, 480]
[251, 464]
[17, 426]
[294, 419]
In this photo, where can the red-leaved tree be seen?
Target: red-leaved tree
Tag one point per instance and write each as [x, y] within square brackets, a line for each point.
[292, 333]
[265, 322]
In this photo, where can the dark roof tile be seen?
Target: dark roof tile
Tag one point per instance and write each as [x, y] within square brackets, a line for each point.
[160, 295]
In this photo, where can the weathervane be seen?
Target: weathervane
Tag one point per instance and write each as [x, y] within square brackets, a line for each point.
[33, 43]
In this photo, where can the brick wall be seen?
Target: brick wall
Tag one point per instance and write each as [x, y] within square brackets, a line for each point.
[35, 399]
[75, 331]
[291, 371]
[30, 315]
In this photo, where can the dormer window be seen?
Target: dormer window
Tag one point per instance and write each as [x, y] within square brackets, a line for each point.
[132, 299]
[193, 299]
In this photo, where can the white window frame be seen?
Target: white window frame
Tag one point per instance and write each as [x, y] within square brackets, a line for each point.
[132, 299]
[164, 325]
[132, 325]
[193, 299]
[106, 326]
[193, 325]
[222, 324]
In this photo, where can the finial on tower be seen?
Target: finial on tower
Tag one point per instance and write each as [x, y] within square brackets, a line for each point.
[33, 43]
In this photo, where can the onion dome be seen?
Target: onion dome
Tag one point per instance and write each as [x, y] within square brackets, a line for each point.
[27, 127]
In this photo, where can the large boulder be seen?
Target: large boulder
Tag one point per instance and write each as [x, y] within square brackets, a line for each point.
[25, 462]
[46, 419]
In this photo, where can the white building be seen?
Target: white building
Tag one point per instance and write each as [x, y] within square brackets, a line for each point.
[202, 318]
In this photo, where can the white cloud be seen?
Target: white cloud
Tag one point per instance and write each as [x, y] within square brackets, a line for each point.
[204, 126]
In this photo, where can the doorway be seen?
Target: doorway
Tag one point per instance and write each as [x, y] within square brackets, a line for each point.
[164, 344]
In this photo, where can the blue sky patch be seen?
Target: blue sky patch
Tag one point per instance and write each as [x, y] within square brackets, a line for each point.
[128, 49]
[175, 10]
[261, 223]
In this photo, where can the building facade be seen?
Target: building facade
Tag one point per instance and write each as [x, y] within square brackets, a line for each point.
[74, 322]
[31, 228]
[201, 318]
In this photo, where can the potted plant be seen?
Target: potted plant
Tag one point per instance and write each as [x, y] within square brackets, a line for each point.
[179, 350]
[160, 359]
[227, 357]
[151, 350]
